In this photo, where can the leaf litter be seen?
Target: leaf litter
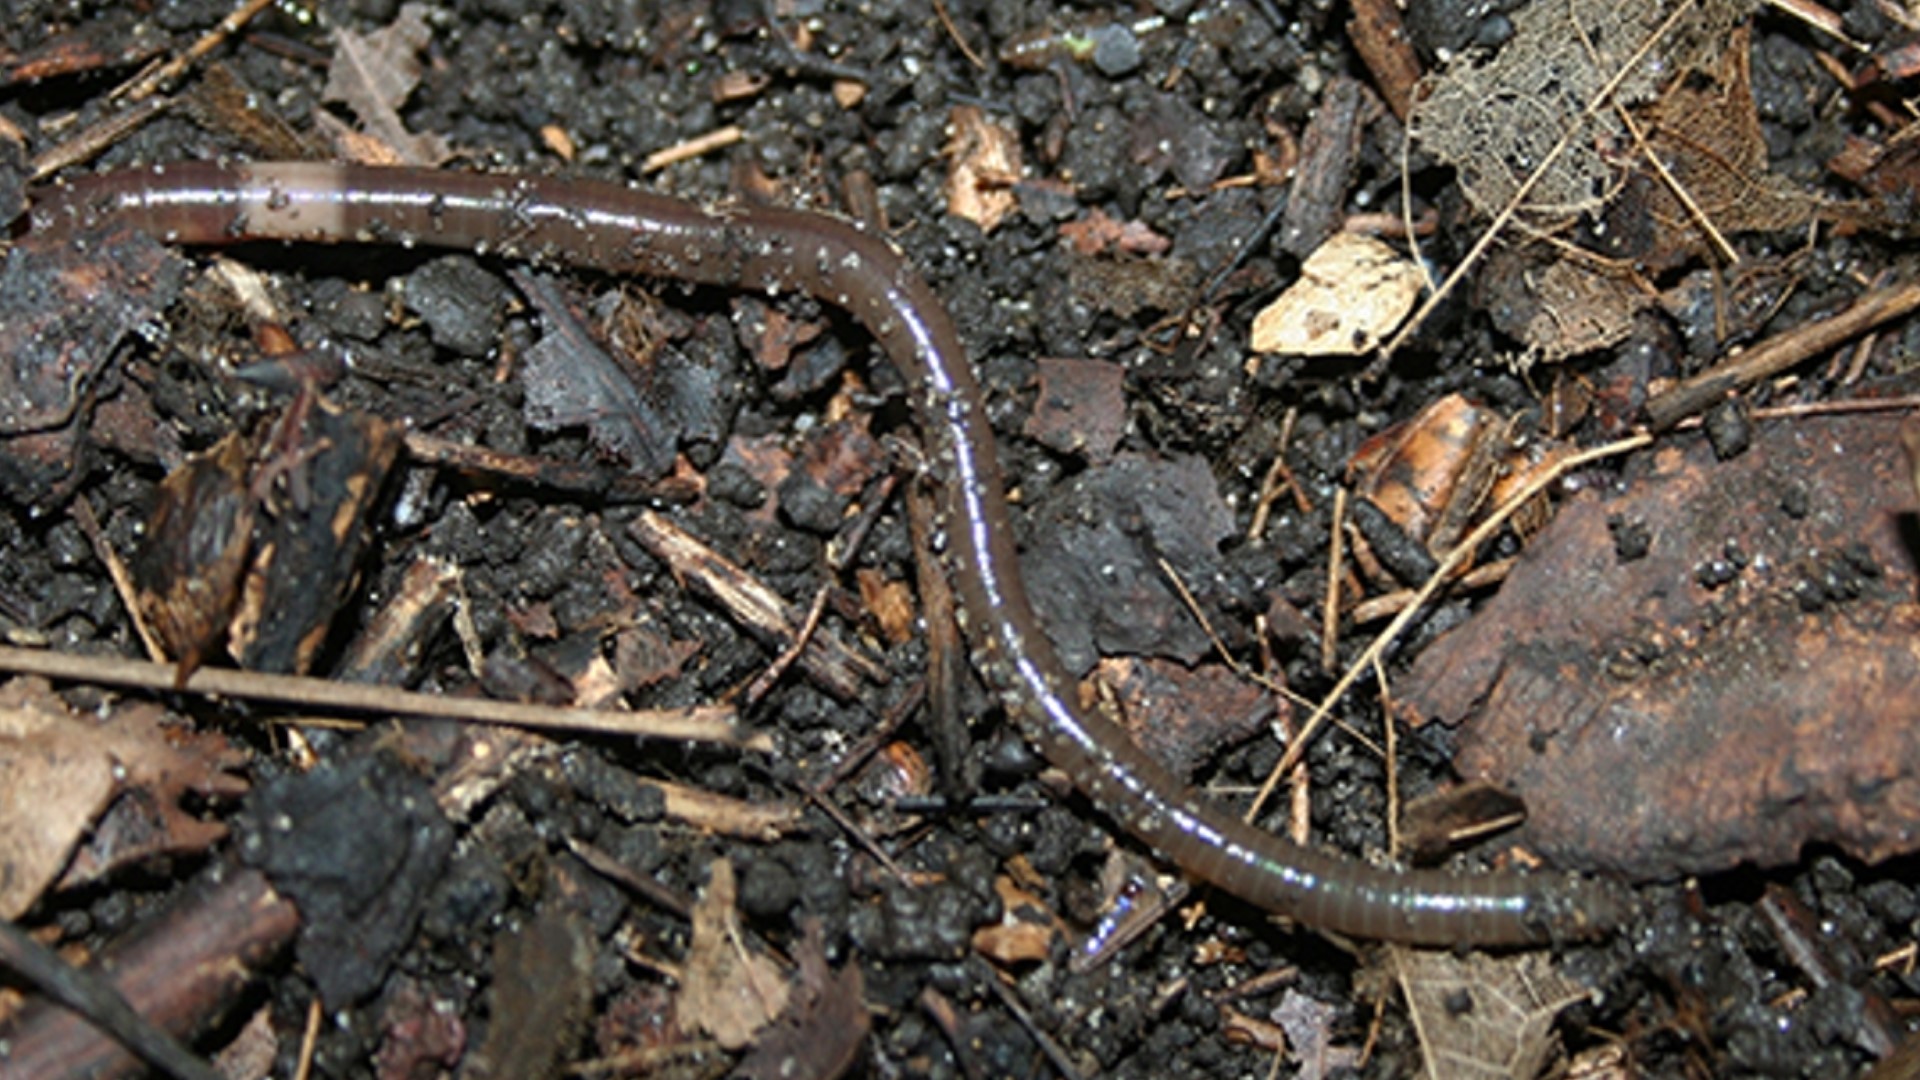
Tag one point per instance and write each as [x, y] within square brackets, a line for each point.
[1484, 1016]
[1546, 243]
[1612, 162]
[61, 771]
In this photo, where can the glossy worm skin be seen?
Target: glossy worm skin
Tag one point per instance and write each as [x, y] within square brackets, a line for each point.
[623, 231]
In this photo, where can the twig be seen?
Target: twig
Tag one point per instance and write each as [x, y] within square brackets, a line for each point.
[1850, 407]
[309, 1039]
[966, 50]
[1049, 1046]
[95, 138]
[1379, 607]
[180, 970]
[764, 683]
[1687, 202]
[1279, 477]
[692, 148]
[1192, 602]
[858, 835]
[1389, 737]
[1821, 19]
[158, 78]
[647, 887]
[837, 666]
[711, 723]
[1330, 606]
[1778, 354]
[1677, 189]
[574, 478]
[89, 523]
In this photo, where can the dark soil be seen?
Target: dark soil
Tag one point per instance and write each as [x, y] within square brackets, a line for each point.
[1703, 986]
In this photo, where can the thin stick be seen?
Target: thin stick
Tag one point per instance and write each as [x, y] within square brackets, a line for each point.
[1375, 608]
[966, 50]
[692, 148]
[1678, 190]
[1391, 738]
[1336, 558]
[714, 724]
[1820, 19]
[1778, 354]
[763, 684]
[1279, 477]
[92, 994]
[858, 835]
[1056, 1055]
[89, 523]
[309, 1040]
[1850, 407]
[158, 78]
[95, 138]
[1192, 602]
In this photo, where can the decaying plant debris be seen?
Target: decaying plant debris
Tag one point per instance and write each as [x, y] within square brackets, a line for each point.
[1662, 613]
[1622, 142]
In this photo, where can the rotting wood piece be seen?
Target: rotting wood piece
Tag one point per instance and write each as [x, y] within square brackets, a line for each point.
[180, 970]
[1717, 665]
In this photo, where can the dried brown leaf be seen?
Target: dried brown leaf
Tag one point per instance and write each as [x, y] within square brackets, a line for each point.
[1484, 1016]
[60, 770]
[1498, 119]
[54, 781]
[189, 568]
[1559, 307]
[727, 991]
[819, 1035]
[1707, 129]
[1654, 193]
[542, 986]
[373, 74]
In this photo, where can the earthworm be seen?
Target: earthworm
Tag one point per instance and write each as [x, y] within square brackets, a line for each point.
[616, 229]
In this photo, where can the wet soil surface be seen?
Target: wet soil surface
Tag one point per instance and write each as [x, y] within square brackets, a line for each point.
[776, 442]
